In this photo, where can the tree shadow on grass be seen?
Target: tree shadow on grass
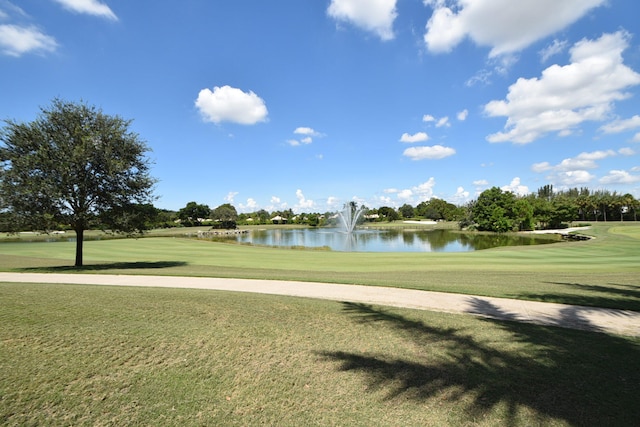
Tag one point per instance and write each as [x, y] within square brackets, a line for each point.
[623, 297]
[583, 378]
[140, 265]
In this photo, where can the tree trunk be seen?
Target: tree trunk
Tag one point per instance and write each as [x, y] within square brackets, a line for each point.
[79, 242]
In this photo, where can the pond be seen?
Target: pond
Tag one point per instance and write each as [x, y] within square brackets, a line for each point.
[386, 240]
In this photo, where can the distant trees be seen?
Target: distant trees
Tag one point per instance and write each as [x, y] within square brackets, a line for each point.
[496, 210]
[77, 167]
[194, 214]
[225, 216]
[406, 211]
[438, 209]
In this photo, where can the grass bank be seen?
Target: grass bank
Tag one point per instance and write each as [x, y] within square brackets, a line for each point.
[84, 355]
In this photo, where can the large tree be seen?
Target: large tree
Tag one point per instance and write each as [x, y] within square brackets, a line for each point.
[77, 166]
[194, 214]
[225, 216]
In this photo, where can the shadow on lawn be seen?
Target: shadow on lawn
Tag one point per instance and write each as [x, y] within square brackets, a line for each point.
[583, 378]
[141, 265]
[623, 297]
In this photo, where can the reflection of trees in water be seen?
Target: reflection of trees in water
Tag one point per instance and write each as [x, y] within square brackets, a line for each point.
[387, 240]
[438, 239]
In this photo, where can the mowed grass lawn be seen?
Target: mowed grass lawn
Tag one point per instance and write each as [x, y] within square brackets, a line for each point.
[601, 272]
[89, 355]
[98, 356]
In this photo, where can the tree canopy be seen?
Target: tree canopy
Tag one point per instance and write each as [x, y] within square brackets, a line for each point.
[74, 165]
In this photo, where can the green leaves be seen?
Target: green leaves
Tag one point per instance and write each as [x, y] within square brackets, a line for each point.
[75, 165]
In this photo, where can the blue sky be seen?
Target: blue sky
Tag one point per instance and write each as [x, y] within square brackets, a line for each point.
[310, 104]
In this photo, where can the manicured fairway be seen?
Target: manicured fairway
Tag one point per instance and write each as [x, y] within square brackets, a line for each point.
[602, 272]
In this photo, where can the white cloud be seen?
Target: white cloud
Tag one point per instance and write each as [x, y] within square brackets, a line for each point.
[571, 178]
[405, 194]
[636, 137]
[89, 7]
[582, 161]
[424, 191]
[565, 96]
[554, 48]
[306, 131]
[308, 139]
[462, 115]
[444, 121]
[417, 137]
[376, 16]
[541, 167]
[619, 177]
[460, 197]
[251, 203]
[390, 190]
[17, 40]
[504, 25]
[426, 152]
[229, 104]
[481, 182]
[230, 196]
[618, 126]
[275, 200]
[332, 202]
[428, 118]
[303, 202]
[626, 151]
[516, 187]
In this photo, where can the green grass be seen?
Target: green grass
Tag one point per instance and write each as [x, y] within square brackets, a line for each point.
[602, 272]
[88, 355]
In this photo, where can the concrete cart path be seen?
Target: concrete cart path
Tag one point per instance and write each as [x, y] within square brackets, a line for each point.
[620, 322]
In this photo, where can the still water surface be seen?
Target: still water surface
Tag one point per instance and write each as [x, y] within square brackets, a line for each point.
[389, 240]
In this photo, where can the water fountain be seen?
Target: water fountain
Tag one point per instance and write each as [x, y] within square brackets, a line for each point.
[349, 216]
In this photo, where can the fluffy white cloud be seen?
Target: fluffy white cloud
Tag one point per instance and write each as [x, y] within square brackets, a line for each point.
[481, 182]
[571, 178]
[460, 197]
[619, 177]
[376, 16]
[424, 191]
[251, 203]
[516, 187]
[626, 151]
[89, 7]
[618, 126]
[504, 25]
[308, 139]
[306, 131]
[303, 202]
[565, 96]
[229, 104]
[428, 118]
[405, 194]
[462, 115]
[417, 137]
[17, 40]
[415, 194]
[426, 152]
[580, 162]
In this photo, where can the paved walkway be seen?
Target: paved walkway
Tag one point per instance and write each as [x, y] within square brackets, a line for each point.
[620, 322]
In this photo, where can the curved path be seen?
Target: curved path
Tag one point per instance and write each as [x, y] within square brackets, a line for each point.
[619, 322]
